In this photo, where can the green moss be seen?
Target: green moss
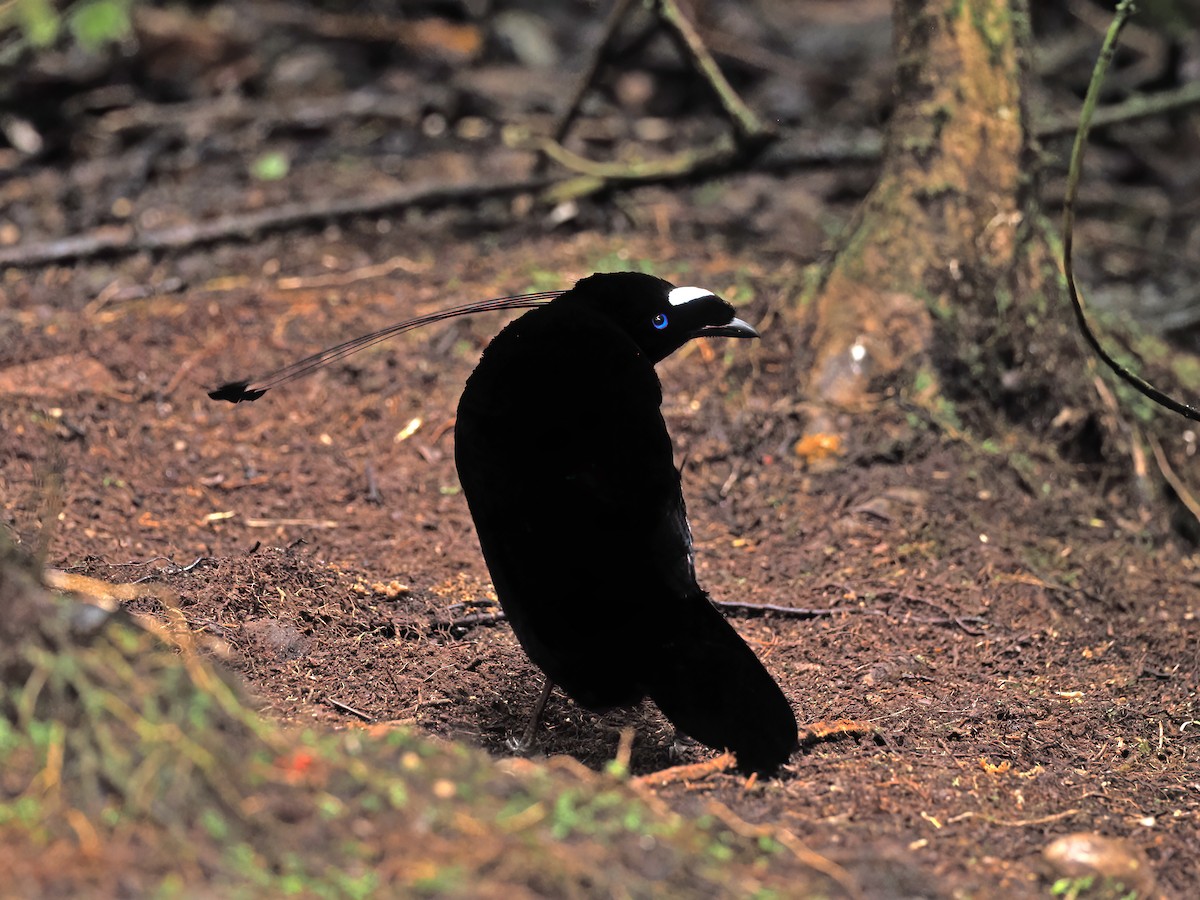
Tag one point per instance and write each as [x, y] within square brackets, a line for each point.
[1023, 464]
[620, 261]
[1085, 886]
[1186, 368]
[888, 195]
[924, 381]
[1146, 347]
[356, 887]
[146, 744]
[539, 279]
[992, 22]
[25, 810]
[1004, 300]
[768, 844]
[397, 794]
[215, 824]
[450, 879]
[720, 852]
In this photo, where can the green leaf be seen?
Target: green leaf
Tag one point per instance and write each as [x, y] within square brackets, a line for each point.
[39, 21]
[100, 22]
[270, 167]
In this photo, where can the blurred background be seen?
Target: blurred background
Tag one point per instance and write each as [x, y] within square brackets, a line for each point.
[119, 113]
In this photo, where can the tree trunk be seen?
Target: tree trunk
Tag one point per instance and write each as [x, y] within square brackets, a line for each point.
[939, 284]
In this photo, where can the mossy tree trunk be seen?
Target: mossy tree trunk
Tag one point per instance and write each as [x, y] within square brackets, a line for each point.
[942, 281]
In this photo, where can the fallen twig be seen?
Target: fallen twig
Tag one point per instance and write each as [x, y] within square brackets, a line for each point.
[223, 112]
[354, 276]
[686, 773]
[1186, 497]
[1015, 823]
[815, 732]
[791, 612]
[128, 239]
[466, 623]
[568, 113]
[731, 607]
[449, 40]
[810, 858]
[750, 129]
[107, 594]
[346, 708]
[816, 861]
[175, 568]
[950, 617]
[751, 135]
[793, 149]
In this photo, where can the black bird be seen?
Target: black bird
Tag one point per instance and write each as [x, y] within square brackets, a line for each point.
[567, 467]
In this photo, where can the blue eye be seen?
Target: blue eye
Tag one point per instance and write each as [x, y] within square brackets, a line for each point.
[659, 322]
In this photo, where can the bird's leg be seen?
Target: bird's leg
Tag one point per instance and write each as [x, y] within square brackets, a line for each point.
[680, 746]
[523, 743]
[536, 715]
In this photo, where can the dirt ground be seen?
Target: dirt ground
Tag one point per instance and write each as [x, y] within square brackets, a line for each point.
[1021, 630]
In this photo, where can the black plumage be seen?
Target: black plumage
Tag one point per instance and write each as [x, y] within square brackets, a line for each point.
[568, 470]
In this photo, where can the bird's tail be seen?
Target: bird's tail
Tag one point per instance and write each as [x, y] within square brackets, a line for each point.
[709, 683]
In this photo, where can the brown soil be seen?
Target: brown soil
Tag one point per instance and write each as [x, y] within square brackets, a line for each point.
[1023, 642]
[1028, 659]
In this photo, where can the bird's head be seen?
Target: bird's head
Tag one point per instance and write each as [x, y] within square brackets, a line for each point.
[656, 314]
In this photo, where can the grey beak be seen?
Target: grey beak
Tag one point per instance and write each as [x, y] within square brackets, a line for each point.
[735, 328]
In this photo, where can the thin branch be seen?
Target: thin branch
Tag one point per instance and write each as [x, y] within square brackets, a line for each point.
[289, 215]
[684, 162]
[1186, 497]
[1124, 11]
[567, 116]
[1139, 106]
[720, 156]
[750, 129]
[229, 110]
[346, 708]
[794, 149]
[789, 612]
[750, 134]
[733, 608]
[1014, 823]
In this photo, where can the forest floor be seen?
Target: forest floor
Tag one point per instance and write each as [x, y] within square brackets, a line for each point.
[1022, 638]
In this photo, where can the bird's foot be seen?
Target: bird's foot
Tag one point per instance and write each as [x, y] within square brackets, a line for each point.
[519, 745]
[680, 748]
[523, 744]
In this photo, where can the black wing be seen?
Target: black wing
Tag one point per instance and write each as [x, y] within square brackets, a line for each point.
[567, 467]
